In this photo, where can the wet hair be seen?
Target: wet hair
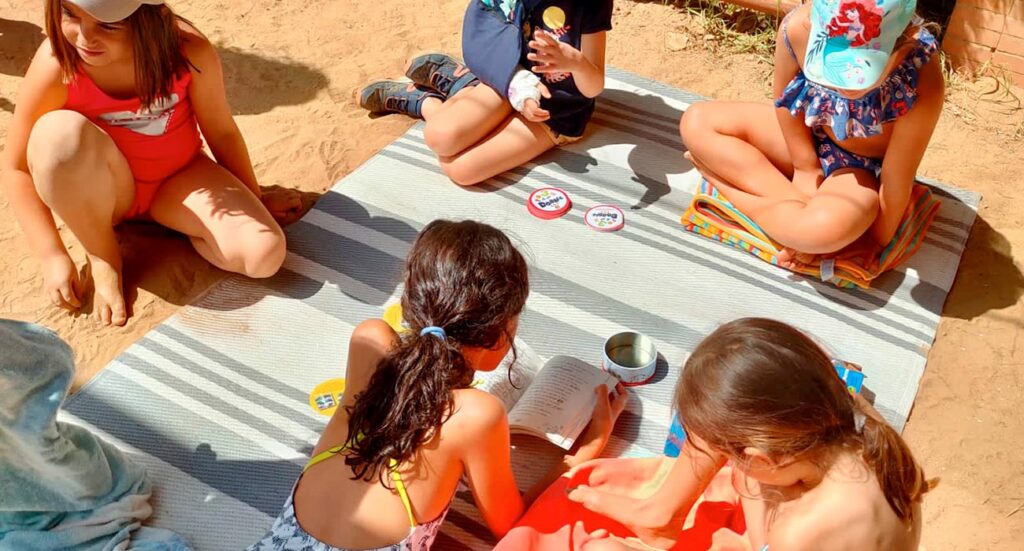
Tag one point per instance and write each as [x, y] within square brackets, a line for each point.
[468, 279]
[760, 383]
[156, 40]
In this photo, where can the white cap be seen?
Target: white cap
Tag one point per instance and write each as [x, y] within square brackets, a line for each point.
[112, 11]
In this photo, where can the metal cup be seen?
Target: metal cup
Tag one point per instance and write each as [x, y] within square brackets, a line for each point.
[630, 356]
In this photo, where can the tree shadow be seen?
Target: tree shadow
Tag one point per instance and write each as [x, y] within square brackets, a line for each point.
[18, 43]
[164, 262]
[988, 278]
[257, 84]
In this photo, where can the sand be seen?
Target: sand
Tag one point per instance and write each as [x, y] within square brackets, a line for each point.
[291, 67]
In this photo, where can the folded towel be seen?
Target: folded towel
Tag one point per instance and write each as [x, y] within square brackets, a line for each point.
[60, 486]
[712, 215]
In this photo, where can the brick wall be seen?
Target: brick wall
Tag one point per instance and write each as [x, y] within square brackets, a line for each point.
[987, 31]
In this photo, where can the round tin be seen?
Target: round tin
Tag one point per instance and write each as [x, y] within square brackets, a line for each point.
[605, 218]
[548, 203]
[630, 356]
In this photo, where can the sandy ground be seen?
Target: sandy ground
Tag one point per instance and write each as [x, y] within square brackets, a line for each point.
[292, 65]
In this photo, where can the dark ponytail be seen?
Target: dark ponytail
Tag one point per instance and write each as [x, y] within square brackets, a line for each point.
[761, 383]
[902, 480]
[467, 279]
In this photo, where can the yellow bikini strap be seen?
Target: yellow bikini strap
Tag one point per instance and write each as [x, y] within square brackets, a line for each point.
[392, 465]
[324, 455]
[402, 493]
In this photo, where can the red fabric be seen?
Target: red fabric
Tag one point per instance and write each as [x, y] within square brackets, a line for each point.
[157, 142]
[554, 523]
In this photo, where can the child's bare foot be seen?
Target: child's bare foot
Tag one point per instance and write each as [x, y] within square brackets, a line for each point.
[108, 300]
[792, 259]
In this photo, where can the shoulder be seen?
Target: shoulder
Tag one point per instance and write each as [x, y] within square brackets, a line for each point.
[370, 342]
[842, 519]
[477, 413]
[44, 66]
[198, 49]
[797, 28]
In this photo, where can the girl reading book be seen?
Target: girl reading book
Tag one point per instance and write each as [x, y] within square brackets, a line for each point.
[410, 426]
[814, 466]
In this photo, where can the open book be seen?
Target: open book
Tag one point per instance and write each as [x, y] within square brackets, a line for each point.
[553, 401]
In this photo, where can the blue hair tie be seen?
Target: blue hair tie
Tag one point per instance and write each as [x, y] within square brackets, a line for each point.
[435, 331]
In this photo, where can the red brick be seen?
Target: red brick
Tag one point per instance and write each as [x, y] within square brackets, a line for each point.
[969, 16]
[1014, 26]
[1011, 45]
[977, 35]
[1010, 62]
[1011, 8]
[961, 50]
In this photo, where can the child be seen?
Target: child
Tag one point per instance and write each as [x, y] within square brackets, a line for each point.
[859, 91]
[410, 427]
[480, 131]
[815, 466]
[106, 129]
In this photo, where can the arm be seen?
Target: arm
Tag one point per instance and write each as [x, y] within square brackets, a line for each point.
[209, 100]
[41, 92]
[586, 64]
[806, 167]
[658, 519]
[488, 464]
[910, 136]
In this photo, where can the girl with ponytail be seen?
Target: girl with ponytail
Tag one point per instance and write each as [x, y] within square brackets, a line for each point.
[410, 427]
[814, 467]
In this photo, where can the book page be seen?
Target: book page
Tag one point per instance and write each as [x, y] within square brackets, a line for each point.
[558, 404]
[498, 382]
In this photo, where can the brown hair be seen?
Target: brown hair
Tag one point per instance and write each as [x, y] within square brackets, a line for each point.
[468, 279]
[156, 48]
[760, 383]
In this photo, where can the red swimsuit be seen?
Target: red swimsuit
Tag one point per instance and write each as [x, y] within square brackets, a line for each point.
[157, 142]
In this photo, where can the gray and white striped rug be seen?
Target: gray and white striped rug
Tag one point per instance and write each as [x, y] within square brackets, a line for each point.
[215, 400]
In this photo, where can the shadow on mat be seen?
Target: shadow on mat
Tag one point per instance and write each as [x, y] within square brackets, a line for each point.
[343, 245]
[652, 127]
[988, 278]
[163, 262]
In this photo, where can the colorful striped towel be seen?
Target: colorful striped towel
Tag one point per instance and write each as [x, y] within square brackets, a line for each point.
[712, 215]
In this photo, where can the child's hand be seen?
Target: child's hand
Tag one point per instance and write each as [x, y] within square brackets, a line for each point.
[807, 181]
[606, 411]
[531, 108]
[61, 282]
[285, 205]
[551, 55]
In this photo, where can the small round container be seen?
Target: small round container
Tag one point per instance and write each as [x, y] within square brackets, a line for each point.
[630, 356]
[605, 218]
[548, 203]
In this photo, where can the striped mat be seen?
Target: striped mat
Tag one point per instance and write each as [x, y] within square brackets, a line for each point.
[215, 400]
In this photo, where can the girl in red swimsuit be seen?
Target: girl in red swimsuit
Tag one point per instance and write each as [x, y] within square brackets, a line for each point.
[107, 128]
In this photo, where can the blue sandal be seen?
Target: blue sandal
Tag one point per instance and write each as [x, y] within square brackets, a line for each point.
[440, 72]
[391, 96]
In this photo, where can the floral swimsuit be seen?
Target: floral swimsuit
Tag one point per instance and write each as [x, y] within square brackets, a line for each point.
[855, 118]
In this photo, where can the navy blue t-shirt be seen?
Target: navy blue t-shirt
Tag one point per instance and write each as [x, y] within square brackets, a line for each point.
[569, 20]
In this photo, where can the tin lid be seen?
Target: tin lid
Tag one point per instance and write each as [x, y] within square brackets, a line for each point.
[606, 218]
[548, 203]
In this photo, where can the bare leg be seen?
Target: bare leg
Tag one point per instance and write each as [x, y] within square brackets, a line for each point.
[227, 224]
[463, 120]
[514, 142]
[739, 147]
[81, 175]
